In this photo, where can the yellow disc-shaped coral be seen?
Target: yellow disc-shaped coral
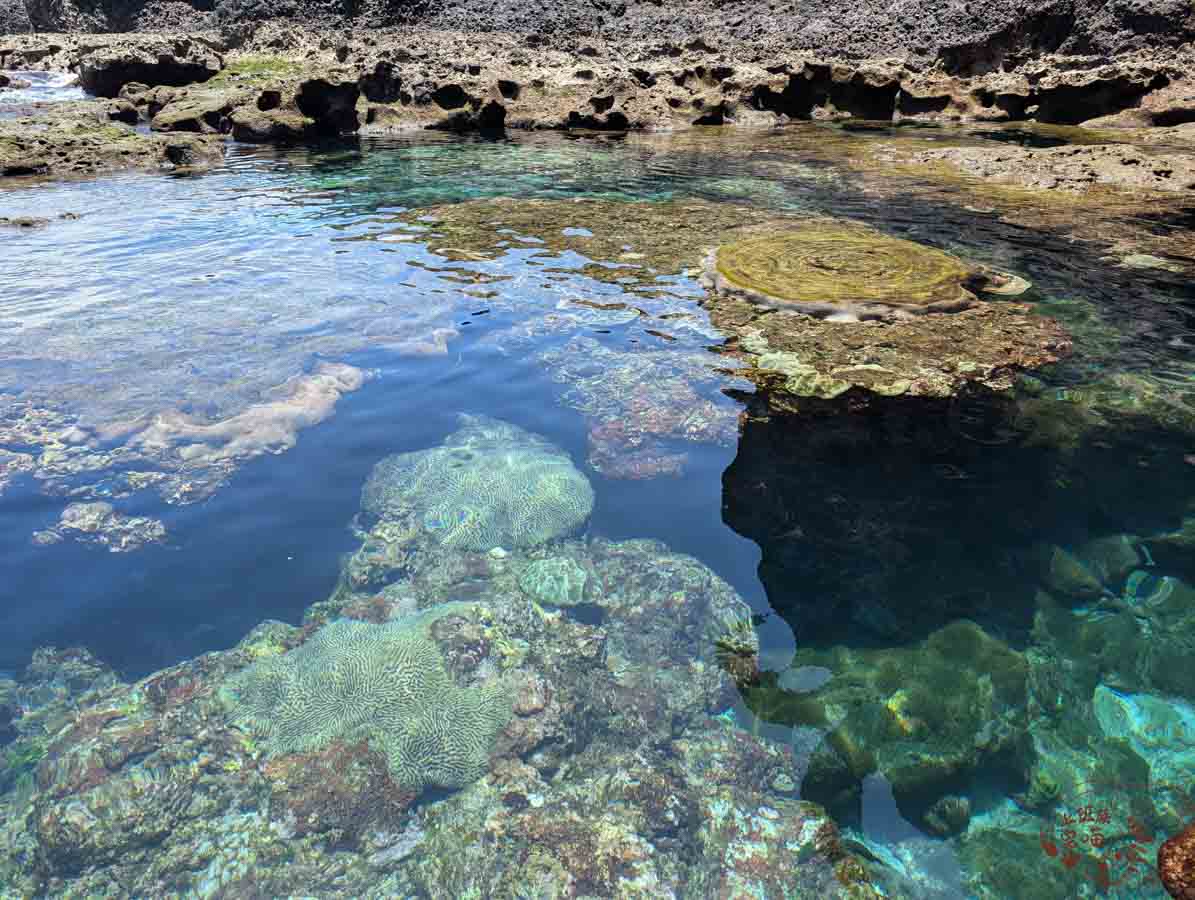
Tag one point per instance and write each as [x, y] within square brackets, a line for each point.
[832, 268]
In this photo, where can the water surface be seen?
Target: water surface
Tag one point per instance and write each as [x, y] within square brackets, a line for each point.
[859, 542]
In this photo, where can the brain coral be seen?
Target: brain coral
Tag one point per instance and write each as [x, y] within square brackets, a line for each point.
[829, 268]
[490, 484]
[386, 683]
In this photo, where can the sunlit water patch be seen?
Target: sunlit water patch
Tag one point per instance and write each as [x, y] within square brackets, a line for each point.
[38, 87]
[951, 622]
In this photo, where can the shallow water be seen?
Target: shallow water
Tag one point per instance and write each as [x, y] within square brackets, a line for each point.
[44, 87]
[201, 297]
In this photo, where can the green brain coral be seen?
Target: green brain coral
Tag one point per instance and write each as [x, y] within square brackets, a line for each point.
[558, 581]
[387, 684]
[835, 268]
[491, 484]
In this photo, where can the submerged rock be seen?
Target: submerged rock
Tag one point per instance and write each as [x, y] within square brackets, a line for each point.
[640, 405]
[557, 581]
[269, 427]
[950, 815]
[925, 717]
[262, 767]
[1066, 574]
[490, 484]
[100, 523]
[1160, 730]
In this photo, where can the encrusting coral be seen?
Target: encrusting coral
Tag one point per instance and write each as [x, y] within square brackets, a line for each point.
[388, 684]
[840, 269]
[490, 484]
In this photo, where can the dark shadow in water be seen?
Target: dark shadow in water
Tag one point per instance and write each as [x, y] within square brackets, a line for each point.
[880, 524]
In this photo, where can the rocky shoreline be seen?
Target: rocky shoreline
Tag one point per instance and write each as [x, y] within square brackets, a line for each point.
[270, 83]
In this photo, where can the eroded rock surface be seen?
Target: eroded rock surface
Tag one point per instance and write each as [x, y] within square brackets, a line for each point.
[308, 82]
[86, 139]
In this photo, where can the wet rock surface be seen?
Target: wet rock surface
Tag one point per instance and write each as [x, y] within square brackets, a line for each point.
[1071, 168]
[456, 80]
[790, 354]
[86, 139]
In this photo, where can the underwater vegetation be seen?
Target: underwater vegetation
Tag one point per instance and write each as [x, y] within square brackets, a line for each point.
[928, 717]
[490, 484]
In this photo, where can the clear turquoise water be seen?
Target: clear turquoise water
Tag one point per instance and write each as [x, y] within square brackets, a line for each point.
[200, 294]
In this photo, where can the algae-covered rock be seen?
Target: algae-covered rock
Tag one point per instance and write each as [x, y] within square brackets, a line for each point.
[926, 717]
[1065, 573]
[490, 484]
[386, 683]
[557, 581]
[797, 357]
[79, 138]
[1111, 558]
[844, 270]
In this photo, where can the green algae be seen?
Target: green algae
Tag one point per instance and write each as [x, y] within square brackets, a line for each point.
[256, 68]
[923, 716]
[19, 761]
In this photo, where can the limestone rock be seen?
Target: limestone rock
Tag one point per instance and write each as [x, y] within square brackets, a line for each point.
[167, 62]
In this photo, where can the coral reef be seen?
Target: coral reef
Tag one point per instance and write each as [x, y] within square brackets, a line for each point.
[272, 427]
[844, 271]
[609, 774]
[490, 484]
[99, 523]
[557, 581]
[641, 404]
[353, 681]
